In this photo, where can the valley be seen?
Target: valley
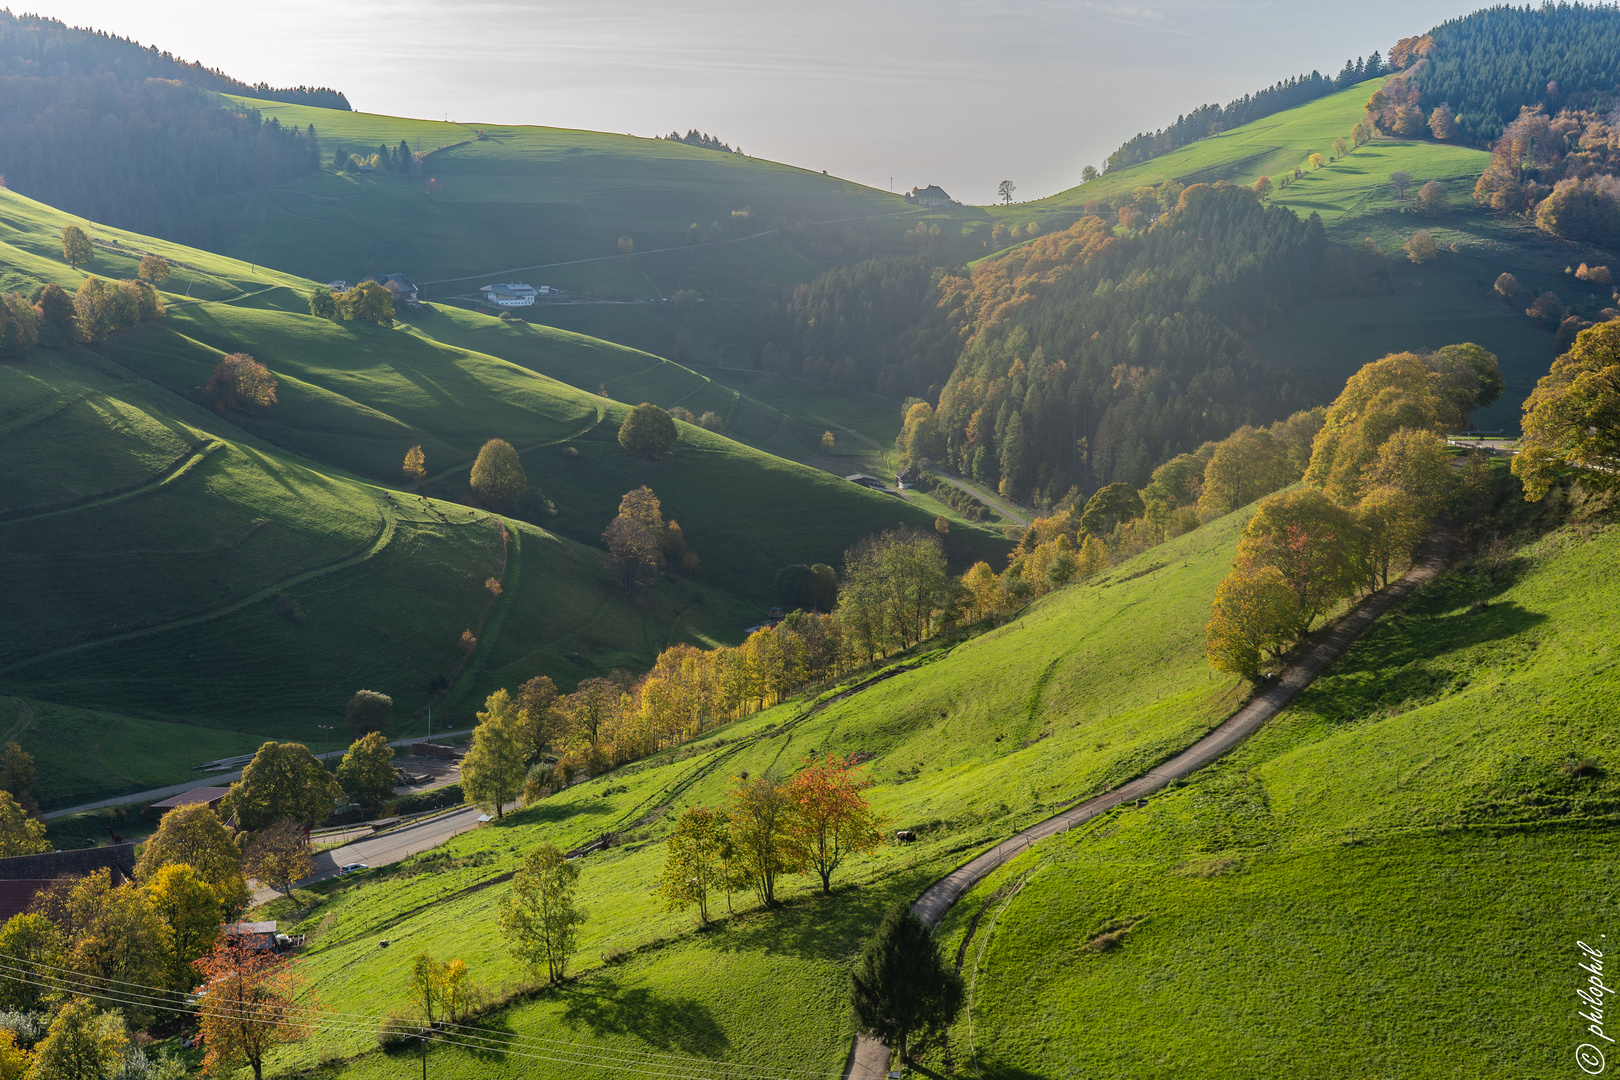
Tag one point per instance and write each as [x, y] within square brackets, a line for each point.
[852, 634]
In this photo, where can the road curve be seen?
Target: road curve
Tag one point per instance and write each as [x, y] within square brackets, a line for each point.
[869, 1058]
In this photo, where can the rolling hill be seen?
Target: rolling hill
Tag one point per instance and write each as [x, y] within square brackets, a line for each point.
[1404, 832]
[170, 564]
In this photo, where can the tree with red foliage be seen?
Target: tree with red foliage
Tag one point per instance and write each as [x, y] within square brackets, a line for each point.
[252, 1000]
[833, 818]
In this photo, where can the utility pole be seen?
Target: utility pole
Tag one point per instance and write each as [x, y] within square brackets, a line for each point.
[430, 724]
[327, 745]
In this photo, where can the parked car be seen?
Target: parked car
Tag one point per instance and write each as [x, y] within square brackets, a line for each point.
[352, 868]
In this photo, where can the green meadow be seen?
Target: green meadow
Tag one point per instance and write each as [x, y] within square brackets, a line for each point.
[965, 745]
[1416, 842]
[515, 196]
[241, 577]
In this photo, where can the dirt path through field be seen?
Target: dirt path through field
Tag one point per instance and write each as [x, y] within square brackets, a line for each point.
[869, 1058]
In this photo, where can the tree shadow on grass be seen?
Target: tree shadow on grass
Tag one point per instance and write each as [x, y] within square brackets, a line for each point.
[604, 1007]
[819, 927]
[546, 811]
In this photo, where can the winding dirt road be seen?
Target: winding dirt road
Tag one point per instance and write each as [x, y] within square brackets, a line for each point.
[869, 1058]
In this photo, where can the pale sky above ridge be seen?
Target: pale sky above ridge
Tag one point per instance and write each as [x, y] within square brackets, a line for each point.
[960, 93]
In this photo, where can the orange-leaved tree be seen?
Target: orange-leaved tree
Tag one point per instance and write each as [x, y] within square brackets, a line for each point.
[834, 820]
[251, 1001]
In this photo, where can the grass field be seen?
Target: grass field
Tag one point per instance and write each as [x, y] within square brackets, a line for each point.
[1418, 831]
[961, 749]
[187, 571]
[531, 196]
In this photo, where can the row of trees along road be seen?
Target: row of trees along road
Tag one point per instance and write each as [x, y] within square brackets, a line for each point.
[163, 932]
[1379, 474]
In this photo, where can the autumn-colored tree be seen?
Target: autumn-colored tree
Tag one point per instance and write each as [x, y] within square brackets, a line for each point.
[1570, 419]
[919, 441]
[240, 383]
[191, 911]
[1464, 377]
[1433, 201]
[284, 781]
[539, 715]
[1422, 246]
[1507, 287]
[695, 860]
[366, 302]
[369, 710]
[19, 833]
[193, 836]
[1380, 399]
[83, 1043]
[154, 268]
[112, 932]
[1256, 616]
[626, 245]
[636, 547]
[492, 772]
[34, 948]
[1110, 506]
[761, 814]
[1399, 181]
[367, 771]
[58, 318]
[15, 1060]
[538, 916]
[1393, 522]
[1341, 146]
[278, 856]
[985, 588]
[1316, 161]
[832, 818]
[1547, 309]
[76, 247]
[1262, 187]
[648, 432]
[1245, 465]
[467, 643]
[1416, 463]
[1313, 541]
[497, 474]
[424, 986]
[415, 465]
[252, 1001]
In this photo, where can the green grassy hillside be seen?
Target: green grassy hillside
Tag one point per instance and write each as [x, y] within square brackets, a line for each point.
[172, 565]
[1086, 688]
[1447, 300]
[534, 196]
[176, 571]
[1430, 823]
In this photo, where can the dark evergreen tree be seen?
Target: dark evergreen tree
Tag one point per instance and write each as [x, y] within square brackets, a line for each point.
[902, 986]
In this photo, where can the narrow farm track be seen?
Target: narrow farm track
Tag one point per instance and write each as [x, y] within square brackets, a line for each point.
[869, 1058]
[44, 412]
[385, 535]
[1001, 506]
[170, 473]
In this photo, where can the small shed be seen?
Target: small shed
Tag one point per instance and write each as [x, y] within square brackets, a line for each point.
[258, 935]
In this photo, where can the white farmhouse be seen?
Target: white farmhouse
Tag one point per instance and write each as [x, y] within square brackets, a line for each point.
[512, 294]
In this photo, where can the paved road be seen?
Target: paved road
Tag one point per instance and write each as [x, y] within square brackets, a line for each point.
[388, 847]
[214, 780]
[1001, 506]
[869, 1058]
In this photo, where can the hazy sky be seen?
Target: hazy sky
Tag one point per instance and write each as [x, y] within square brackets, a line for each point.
[960, 93]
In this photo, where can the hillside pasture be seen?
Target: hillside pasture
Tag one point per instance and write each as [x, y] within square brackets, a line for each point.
[1430, 822]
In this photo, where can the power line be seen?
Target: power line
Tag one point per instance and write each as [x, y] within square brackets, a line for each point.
[641, 1062]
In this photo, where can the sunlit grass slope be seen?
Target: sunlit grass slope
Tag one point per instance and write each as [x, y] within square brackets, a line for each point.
[1430, 824]
[1088, 686]
[158, 563]
[521, 196]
